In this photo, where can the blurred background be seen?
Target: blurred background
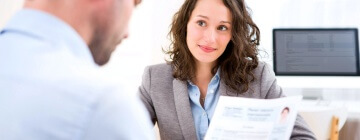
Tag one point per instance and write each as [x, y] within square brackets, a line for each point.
[149, 27]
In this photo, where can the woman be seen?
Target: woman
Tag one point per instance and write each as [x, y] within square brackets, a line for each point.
[214, 52]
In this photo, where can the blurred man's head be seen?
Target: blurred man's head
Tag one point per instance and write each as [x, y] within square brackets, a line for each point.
[103, 24]
[111, 27]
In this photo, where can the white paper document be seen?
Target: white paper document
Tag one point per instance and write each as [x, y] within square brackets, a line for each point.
[253, 119]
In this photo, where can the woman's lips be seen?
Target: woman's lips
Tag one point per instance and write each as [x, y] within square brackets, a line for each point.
[207, 49]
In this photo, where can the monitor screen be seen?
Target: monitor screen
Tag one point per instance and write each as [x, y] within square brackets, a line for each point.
[316, 52]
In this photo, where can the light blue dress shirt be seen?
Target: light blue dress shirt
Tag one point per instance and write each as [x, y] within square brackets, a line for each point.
[51, 89]
[202, 116]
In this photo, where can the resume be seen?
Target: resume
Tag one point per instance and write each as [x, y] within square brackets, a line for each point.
[253, 119]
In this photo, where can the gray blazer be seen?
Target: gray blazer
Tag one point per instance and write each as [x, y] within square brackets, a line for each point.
[168, 103]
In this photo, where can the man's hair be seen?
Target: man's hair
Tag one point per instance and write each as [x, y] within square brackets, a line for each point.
[239, 58]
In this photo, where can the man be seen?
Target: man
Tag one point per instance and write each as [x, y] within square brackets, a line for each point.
[50, 83]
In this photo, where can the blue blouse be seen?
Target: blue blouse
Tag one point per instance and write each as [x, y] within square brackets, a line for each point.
[202, 116]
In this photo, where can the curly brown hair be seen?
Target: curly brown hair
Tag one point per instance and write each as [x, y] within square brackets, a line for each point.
[239, 58]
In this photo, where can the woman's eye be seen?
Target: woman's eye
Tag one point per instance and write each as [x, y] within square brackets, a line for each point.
[201, 23]
[222, 28]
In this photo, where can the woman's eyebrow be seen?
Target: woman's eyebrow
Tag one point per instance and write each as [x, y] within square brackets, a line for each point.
[225, 22]
[203, 16]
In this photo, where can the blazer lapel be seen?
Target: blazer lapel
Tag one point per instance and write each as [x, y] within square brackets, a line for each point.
[183, 109]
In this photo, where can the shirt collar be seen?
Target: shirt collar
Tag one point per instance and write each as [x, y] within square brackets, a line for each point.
[215, 77]
[49, 28]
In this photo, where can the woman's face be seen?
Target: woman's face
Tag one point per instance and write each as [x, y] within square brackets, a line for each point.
[208, 30]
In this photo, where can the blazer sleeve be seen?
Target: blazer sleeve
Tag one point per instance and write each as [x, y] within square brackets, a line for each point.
[271, 89]
[144, 93]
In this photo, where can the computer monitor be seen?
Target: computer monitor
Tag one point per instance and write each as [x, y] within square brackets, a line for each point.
[316, 52]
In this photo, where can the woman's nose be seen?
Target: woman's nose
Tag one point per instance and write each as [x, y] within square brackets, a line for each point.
[210, 36]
